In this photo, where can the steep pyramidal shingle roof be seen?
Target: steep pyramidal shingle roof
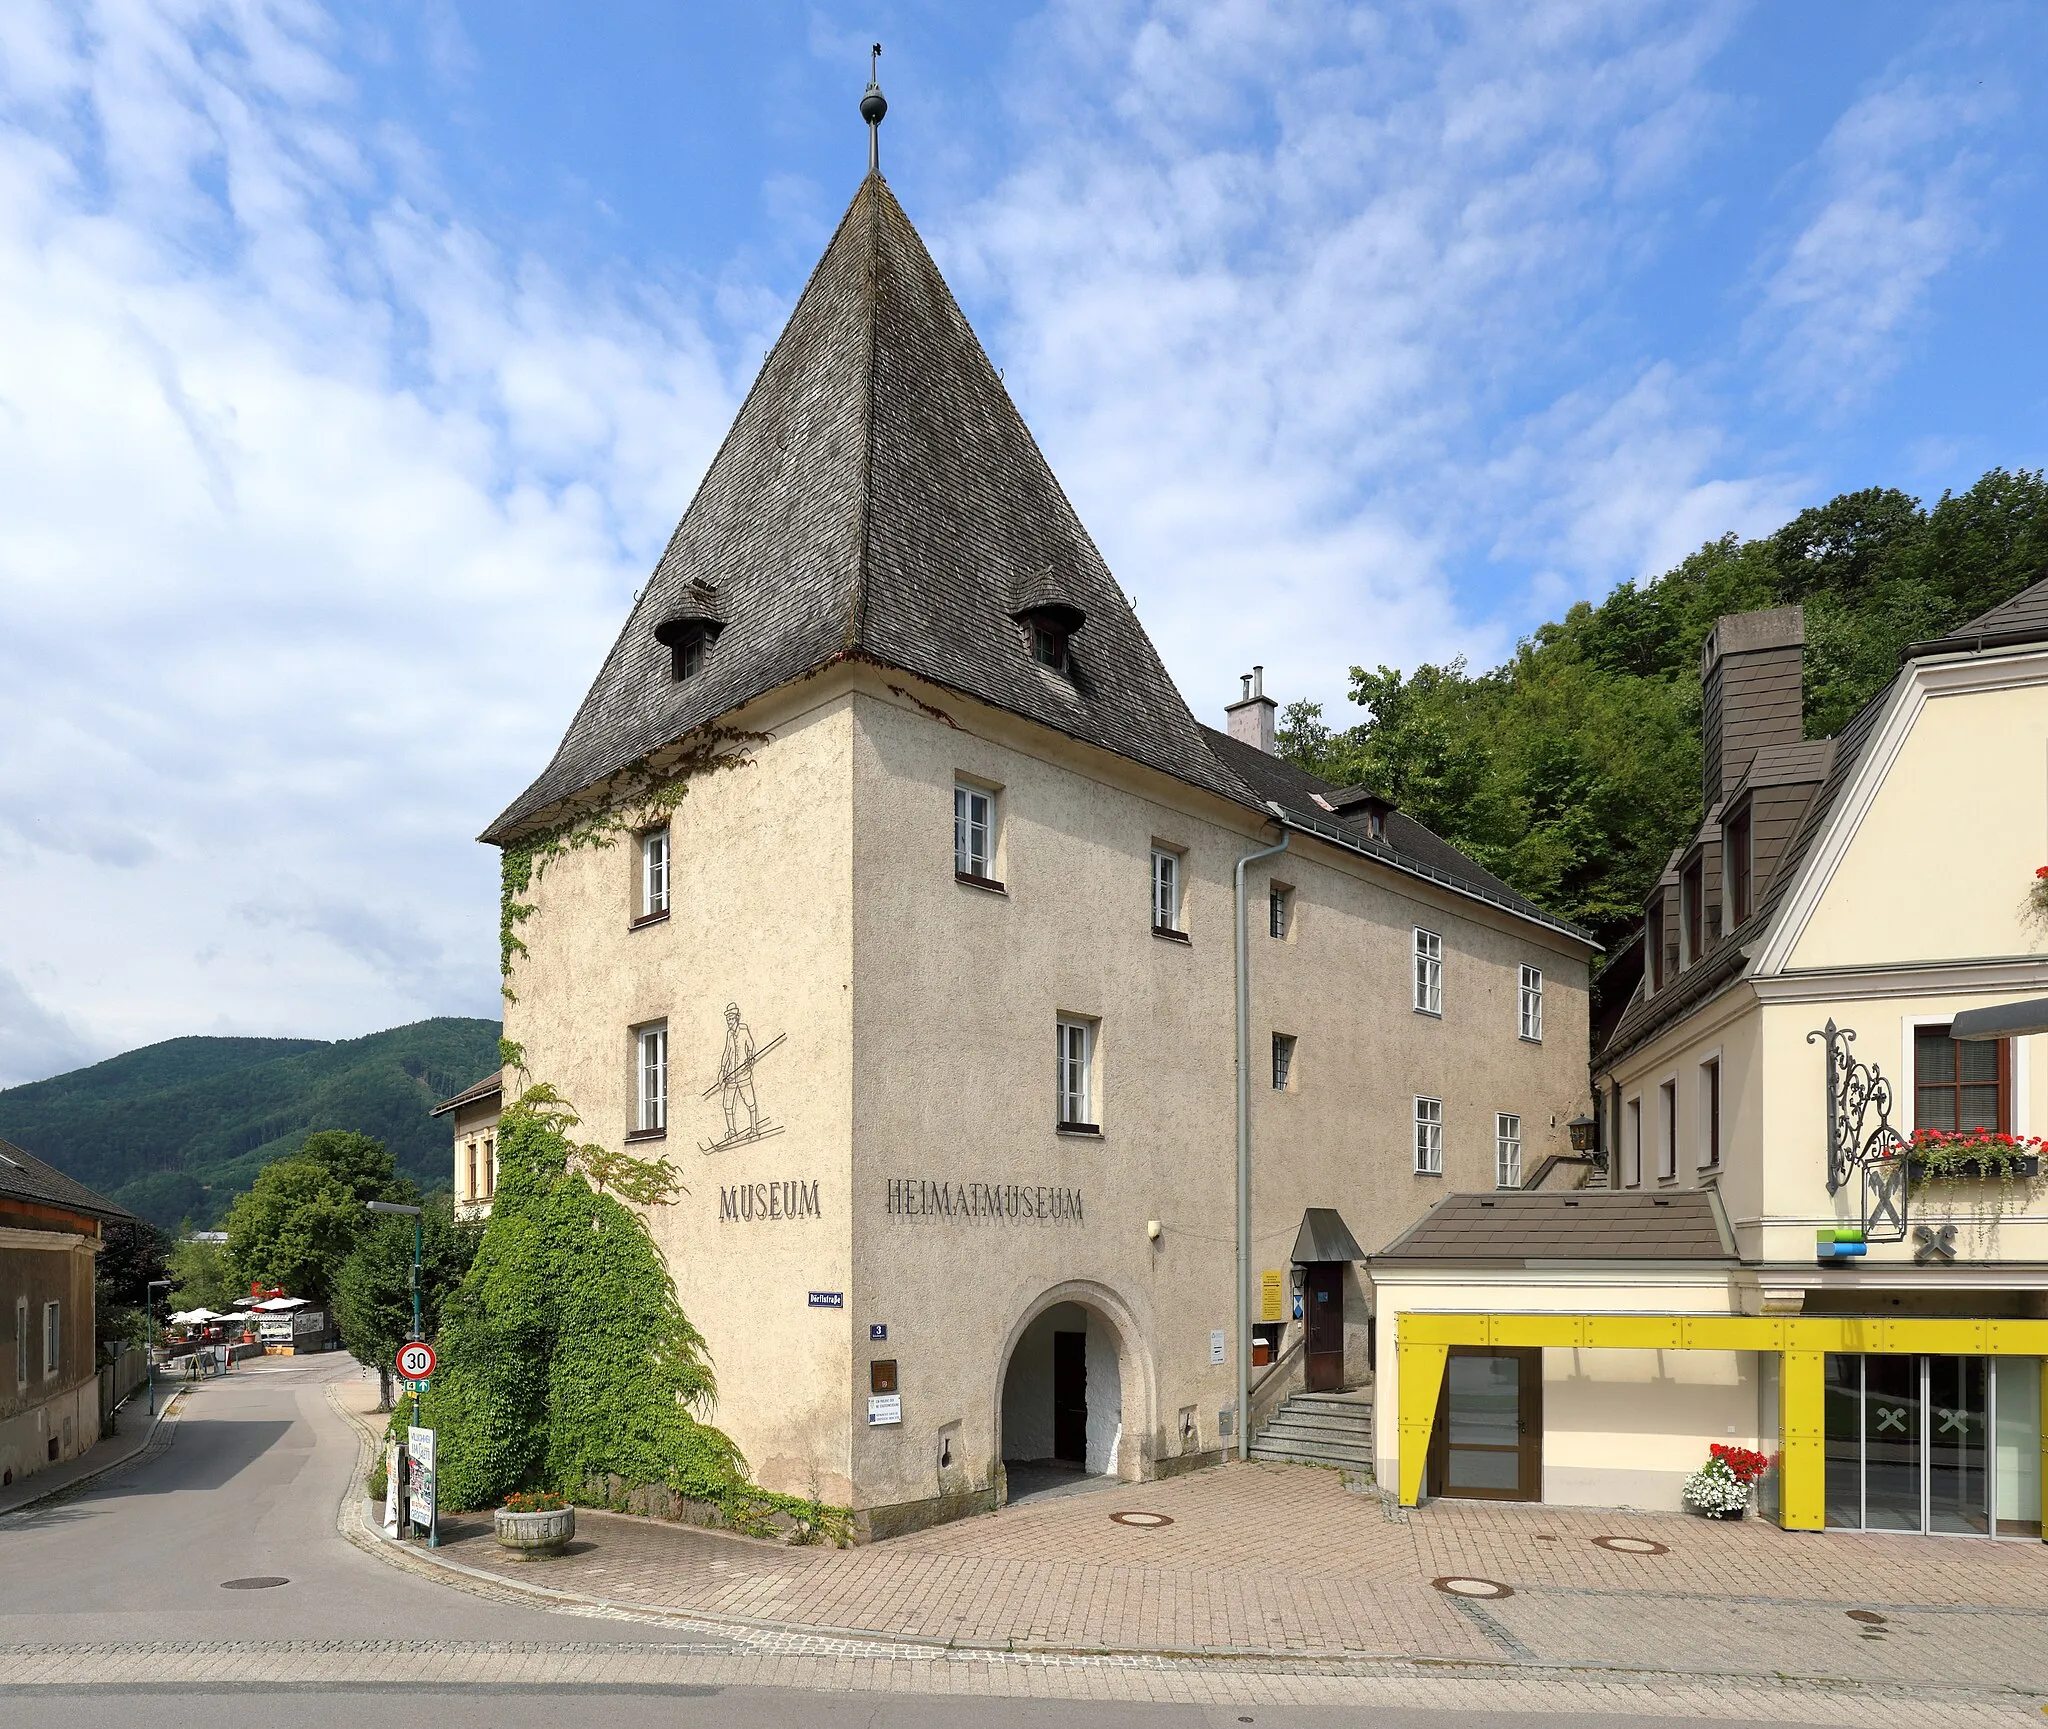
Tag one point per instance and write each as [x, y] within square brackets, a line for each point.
[878, 496]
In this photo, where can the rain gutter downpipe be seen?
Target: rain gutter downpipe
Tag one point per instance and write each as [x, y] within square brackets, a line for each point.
[1244, 1145]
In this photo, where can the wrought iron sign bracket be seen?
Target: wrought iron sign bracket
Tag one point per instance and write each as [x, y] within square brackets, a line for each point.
[1861, 1139]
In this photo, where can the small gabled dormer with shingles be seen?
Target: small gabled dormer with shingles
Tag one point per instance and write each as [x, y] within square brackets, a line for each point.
[878, 498]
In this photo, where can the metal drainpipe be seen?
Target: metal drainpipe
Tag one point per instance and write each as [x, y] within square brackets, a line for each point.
[1244, 1147]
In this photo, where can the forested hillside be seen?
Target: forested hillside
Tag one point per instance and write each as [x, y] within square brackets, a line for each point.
[176, 1130]
[1573, 770]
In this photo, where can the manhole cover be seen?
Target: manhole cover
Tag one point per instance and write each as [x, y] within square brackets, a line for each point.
[1461, 1587]
[262, 1582]
[1631, 1545]
[1144, 1521]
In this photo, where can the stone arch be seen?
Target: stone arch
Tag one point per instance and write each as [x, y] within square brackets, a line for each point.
[1126, 1435]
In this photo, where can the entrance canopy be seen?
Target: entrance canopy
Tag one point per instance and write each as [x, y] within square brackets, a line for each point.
[2006, 1021]
[1324, 1236]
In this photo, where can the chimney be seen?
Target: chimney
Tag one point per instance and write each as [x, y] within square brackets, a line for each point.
[1251, 716]
[1750, 693]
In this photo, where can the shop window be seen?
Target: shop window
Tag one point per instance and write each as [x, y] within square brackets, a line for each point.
[1961, 1085]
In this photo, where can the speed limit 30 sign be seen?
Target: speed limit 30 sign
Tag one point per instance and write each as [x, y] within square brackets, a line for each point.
[415, 1360]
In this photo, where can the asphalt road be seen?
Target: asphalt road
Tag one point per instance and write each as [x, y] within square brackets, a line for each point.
[250, 1486]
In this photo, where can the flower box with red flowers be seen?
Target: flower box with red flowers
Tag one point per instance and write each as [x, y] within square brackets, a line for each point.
[1972, 1155]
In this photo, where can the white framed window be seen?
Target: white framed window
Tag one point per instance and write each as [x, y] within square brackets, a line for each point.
[1429, 972]
[1283, 1062]
[20, 1343]
[651, 1045]
[1166, 874]
[53, 1338]
[1507, 1150]
[974, 832]
[1632, 1145]
[1429, 1137]
[1530, 1012]
[1279, 911]
[1074, 1062]
[1667, 1130]
[654, 873]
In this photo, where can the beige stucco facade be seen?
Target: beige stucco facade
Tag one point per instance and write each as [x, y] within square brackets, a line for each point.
[49, 1407]
[907, 1117]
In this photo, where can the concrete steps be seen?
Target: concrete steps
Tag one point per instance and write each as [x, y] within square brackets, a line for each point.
[1320, 1429]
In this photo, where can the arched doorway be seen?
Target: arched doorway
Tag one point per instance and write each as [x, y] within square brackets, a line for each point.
[1073, 1402]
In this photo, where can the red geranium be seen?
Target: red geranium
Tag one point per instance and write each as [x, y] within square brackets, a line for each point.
[1746, 1466]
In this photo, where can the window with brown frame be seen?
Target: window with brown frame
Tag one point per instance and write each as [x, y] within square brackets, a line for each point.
[1692, 902]
[1735, 851]
[1653, 934]
[1961, 1085]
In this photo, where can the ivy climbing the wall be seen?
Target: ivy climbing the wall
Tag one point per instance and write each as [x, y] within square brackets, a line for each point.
[639, 796]
[567, 1362]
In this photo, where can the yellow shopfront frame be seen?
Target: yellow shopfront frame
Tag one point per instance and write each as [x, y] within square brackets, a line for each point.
[1424, 1337]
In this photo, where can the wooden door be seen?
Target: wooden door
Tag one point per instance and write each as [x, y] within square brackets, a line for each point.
[1070, 1398]
[1323, 1322]
[1488, 1440]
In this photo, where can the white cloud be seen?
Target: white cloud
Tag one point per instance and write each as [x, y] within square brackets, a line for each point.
[1900, 193]
[316, 510]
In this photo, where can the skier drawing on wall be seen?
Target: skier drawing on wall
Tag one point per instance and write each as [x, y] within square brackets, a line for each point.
[735, 1084]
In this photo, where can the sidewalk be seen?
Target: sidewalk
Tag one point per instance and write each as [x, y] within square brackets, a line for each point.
[1281, 1562]
[139, 1433]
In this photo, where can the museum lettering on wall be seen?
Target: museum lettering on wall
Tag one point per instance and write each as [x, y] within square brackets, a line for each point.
[929, 1197]
[755, 1203]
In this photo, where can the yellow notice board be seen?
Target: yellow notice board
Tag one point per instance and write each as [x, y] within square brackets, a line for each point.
[1270, 1295]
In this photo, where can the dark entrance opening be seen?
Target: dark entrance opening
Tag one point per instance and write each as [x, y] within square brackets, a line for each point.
[1488, 1439]
[1323, 1323]
[1070, 1399]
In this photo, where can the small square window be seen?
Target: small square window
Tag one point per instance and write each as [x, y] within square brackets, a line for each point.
[1166, 890]
[1507, 1150]
[1279, 911]
[651, 1045]
[654, 874]
[1429, 1137]
[1530, 1015]
[974, 832]
[1429, 973]
[1074, 1055]
[1283, 1062]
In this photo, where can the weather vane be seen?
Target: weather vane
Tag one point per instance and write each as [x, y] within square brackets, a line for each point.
[873, 105]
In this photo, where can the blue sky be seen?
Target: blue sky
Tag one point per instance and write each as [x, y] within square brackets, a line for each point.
[361, 358]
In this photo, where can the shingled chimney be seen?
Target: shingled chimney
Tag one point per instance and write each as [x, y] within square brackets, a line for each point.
[1251, 716]
[1750, 696]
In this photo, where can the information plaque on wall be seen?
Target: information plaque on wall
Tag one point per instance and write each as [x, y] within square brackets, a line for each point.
[884, 1409]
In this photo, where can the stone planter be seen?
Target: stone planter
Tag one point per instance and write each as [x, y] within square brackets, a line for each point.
[535, 1536]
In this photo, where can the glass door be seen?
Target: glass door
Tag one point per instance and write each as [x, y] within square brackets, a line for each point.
[1942, 1445]
[1958, 1425]
[1488, 1441]
[1891, 1444]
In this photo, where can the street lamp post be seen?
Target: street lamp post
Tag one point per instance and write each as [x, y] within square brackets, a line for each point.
[149, 1338]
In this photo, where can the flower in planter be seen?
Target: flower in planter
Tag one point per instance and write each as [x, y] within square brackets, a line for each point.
[1743, 1464]
[534, 1501]
[1952, 1153]
[1715, 1489]
[2036, 904]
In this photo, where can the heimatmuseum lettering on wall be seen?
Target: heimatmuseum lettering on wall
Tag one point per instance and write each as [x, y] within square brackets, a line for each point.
[929, 1197]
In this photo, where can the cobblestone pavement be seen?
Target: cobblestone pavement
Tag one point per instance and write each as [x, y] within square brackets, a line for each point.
[1282, 1566]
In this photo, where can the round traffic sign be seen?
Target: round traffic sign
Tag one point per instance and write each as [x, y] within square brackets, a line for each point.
[416, 1360]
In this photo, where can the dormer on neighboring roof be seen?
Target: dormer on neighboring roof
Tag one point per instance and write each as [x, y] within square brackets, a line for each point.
[689, 630]
[1362, 805]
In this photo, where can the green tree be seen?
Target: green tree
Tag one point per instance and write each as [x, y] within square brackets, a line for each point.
[1572, 771]
[200, 1276]
[131, 1256]
[373, 1290]
[303, 1216]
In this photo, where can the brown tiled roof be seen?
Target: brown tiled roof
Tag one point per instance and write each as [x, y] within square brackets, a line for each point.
[1565, 1225]
[490, 1087]
[878, 497]
[1407, 846]
[24, 1177]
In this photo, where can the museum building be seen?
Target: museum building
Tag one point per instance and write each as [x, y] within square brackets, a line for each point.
[934, 1001]
[1823, 1231]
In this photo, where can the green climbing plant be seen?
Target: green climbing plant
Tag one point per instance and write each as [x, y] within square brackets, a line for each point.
[567, 1362]
[636, 797]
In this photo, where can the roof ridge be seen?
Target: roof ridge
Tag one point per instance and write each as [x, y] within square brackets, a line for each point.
[857, 601]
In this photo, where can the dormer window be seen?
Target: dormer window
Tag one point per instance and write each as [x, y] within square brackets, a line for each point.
[1046, 608]
[1367, 809]
[690, 630]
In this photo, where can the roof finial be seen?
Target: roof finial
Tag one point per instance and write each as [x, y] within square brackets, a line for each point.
[873, 105]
